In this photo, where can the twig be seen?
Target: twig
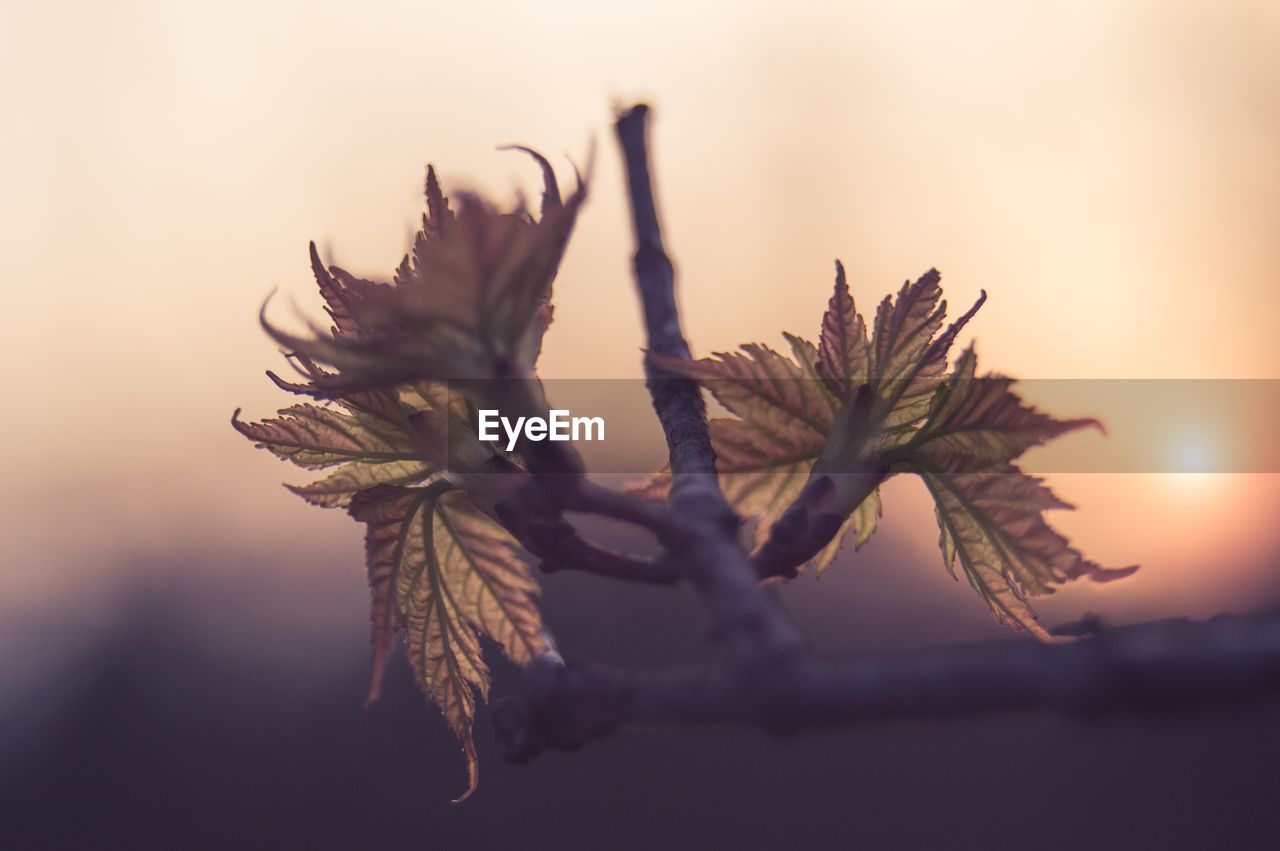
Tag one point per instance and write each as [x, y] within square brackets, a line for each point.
[556, 482]
[576, 553]
[555, 465]
[1163, 667]
[593, 499]
[703, 539]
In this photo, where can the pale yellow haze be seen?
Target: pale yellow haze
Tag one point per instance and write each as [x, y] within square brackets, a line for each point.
[1108, 171]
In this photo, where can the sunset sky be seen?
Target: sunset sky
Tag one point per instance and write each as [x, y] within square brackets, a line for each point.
[1108, 172]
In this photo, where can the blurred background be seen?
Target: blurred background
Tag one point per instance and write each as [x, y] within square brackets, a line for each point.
[183, 642]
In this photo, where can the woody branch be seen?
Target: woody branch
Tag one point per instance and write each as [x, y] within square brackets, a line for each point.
[771, 681]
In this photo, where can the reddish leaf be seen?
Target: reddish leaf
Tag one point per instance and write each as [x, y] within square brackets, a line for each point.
[979, 421]
[844, 354]
[471, 298]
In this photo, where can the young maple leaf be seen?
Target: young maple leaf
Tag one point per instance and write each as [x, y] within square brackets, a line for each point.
[366, 450]
[990, 513]
[787, 410]
[782, 418]
[813, 437]
[470, 300]
[444, 572]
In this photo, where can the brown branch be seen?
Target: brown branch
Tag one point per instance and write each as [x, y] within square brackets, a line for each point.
[533, 519]
[556, 466]
[1163, 667]
[556, 482]
[576, 553]
[593, 499]
[703, 538]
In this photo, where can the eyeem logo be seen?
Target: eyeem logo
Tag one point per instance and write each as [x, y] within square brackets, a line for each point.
[559, 426]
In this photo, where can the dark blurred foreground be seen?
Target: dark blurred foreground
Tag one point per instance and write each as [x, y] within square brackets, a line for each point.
[192, 723]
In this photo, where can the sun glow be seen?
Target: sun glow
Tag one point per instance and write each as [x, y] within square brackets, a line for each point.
[1196, 452]
[1197, 459]
[1199, 485]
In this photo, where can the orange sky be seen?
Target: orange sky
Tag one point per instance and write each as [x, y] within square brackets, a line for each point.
[1109, 172]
